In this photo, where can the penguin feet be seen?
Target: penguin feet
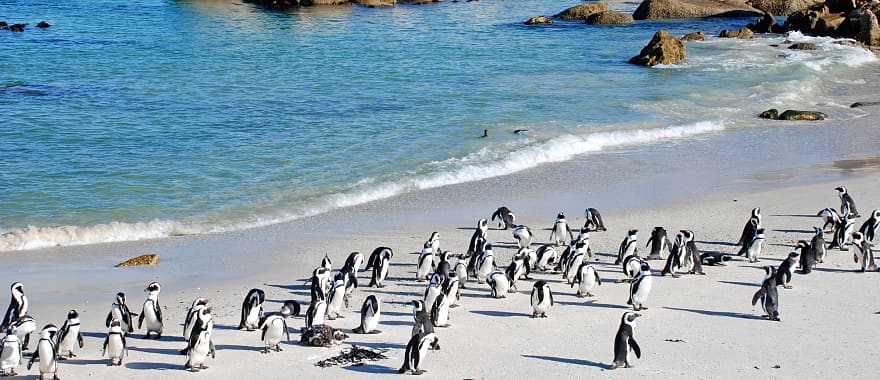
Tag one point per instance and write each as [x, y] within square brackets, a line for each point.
[787, 286]
[278, 348]
[375, 332]
[418, 372]
[614, 366]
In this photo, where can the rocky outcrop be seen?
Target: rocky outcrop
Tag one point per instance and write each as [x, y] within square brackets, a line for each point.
[781, 7]
[142, 260]
[17, 27]
[43, 25]
[674, 9]
[764, 24]
[582, 11]
[792, 115]
[743, 33]
[772, 114]
[856, 19]
[663, 49]
[609, 18]
[375, 3]
[868, 29]
[803, 46]
[3, 25]
[695, 36]
[538, 20]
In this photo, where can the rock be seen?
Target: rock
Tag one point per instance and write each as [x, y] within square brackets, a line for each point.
[695, 36]
[43, 25]
[276, 4]
[582, 11]
[763, 24]
[864, 104]
[419, 2]
[772, 113]
[321, 336]
[609, 18]
[803, 46]
[803, 21]
[376, 3]
[663, 49]
[841, 5]
[869, 31]
[538, 20]
[3, 25]
[674, 9]
[801, 115]
[16, 27]
[743, 33]
[782, 7]
[142, 260]
[829, 24]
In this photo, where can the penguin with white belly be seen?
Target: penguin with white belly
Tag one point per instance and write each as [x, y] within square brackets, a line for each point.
[69, 336]
[152, 312]
[542, 299]
[371, 312]
[252, 310]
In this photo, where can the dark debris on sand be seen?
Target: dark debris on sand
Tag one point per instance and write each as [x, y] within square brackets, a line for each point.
[353, 356]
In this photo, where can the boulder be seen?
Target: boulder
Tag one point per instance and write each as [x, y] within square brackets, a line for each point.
[276, 4]
[782, 7]
[43, 25]
[869, 31]
[3, 25]
[743, 33]
[609, 18]
[582, 11]
[538, 20]
[772, 113]
[674, 9]
[841, 5]
[805, 21]
[418, 2]
[142, 260]
[376, 3]
[803, 46]
[17, 27]
[695, 36]
[663, 49]
[802, 115]
[763, 24]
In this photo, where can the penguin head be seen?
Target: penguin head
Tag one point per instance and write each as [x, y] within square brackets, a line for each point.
[153, 287]
[802, 244]
[290, 309]
[48, 331]
[818, 231]
[769, 271]
[632, 232]
[339, 336]
[841, 189]
[418, 305]
[560, 215]
[857, 238]
[876, 215]
[629, 317]
[72, 314]
[17, 287]
[482, 224]
[793, 255]
[487, 247]
[756, 212]
[688, 234]
[645, 268]
[120, 298]
[759, 233]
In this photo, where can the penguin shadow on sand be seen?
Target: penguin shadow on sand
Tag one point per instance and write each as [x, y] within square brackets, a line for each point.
[788, 231]
[741, 283]
[721, 243]
[154, 350]
[499, 313]
[581, 362]
[154, 366]
[713, 313]
[299, 290]
[370, 368]
[592, 303]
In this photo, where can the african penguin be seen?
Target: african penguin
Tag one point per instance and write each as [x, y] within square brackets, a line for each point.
[376, 255]
[353, 262]
[830, 217]
[191, 319]
[252, 310]
[326, 263]
[842, 233]
[587, 279]
[69, 336]
[201, 341]
[380, 269]
[23, 328]
[631, 266]
[460, 270]
[115, 346]
[871, 228]
[818, 245]
[641, 288]
[751, 226]
[440, 311]
[627, 246]
[673, 261]
[755, 246]
[10, 355]
[546, 257]
[499, 284]
[573, 262]
[806, 259]
[784, 273]
[416, 352]
[485, 264]
[274, 329]
[425, 265]
[594, 220]
[847, 204]
[659, 243]
[18, 305]
[432, 291]
[523, 236]
[46, 353]
[692, 253]
[320, 283]
[315, 313]
[560, 233]
[768, 295]
[421, 320]
[152, 312]
[371, 312]
[514, 271]
[624, 341]
[336, 299]
[749, 232]
[506, 219]
[542, 299]
[862, 253]
[478, 237]
[119, 310]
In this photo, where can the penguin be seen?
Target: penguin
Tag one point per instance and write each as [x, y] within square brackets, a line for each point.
[425, 265]
[514, 271]
[830, 217]
[624, 341]
[274, 329]
[433, 243]
[326, 263]
[594, 220]
[587, 279]
[485, 264]
[505, 217]
[755, 246]
[818, 245]
[152, 312]
[751, 226]
[421, 320]
[380, 269]
[191, 319]
[847, 204]
[474, 259]
[460, 270]
[353, 262]
[451, 289]
[560, 233]
[23, 328]
[45, 353]
[871, 227]
[371, 312]
[627, 246]
[523, 236]
[641, 288]
[542, 299]
[842, 233]
[806, 258]
[336, 299]
[659, 242]
[583, 240]
[315, 313]
[546, 257]
[572, 264]
[376, 255]
[201, 341]
[349, 278]
[18, 306]
[252, 310]
[499, 284]
[768, 295]
[320, 283]
[10, 355]
[862, 253]
[416, 352]
[115, 346]
[673, 261]
[714, 258]
[692, 253]
[631, 266]
[69, 336]
[784, 273]
[478, 236]
[440, 311]
[432, 291]
[119, 310]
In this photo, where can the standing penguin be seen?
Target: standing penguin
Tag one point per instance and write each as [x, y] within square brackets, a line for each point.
[514, 271]
[755, 246]
[862, 253]
[842, 233]
[22, 328]
[478, 237]
[115, 346]
[806, 259]
[627, 246]
[353, 263]
[542, 299]
[594, 220]
[326, 263]
[768, 295]
[190, 321]
[693, 253]
[523, 236]
[573, 262]
[440, 311]
[336, 299]
[425, 265]
[631, 267]
[673, 261]
[10, 355]
[499, 284]
[659, 243]
[506, 218]
[847, 204]
[818, 245]
[380, 269]
[546, 257]
[871, 228]
[152, 312]
[252, 310]
[432, 291]
[641, 288]
[18, 306]
[315, 313]
[560, 233]
[417, 351]
[119, 311]
[376, 255]
[320, 283]
[460, 270]
[201, 341]
[69, 336]
[274, 329]
[624, 341]
[784, 273]
[371, 312]
[830, 217]
[421, 320]
[751, 226]
[45, 353]
[485, 264]
[587, 278]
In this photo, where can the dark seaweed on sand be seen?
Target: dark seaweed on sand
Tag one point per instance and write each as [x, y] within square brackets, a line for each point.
[352, 356]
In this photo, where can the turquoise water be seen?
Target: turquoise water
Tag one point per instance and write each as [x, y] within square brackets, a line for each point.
[142, 119]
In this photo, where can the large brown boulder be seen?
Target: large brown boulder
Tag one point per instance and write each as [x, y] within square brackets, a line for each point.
[743, 33]
[674, 9]
[782, 7]
[869, 31]
[694, 36]
[764, 24]
[582, 11]
[663, 49]
[142, 260]
[375, 3]
[609, 18]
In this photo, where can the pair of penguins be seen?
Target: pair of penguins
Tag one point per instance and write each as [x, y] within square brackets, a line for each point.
[507, 219]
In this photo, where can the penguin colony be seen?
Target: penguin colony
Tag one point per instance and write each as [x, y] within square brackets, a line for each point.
[444, 274]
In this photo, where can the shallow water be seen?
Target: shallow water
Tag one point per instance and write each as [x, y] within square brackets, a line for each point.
[147, 119]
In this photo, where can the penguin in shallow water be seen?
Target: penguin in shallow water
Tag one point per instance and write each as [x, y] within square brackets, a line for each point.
[119, 310]
[862, 253]
[371, 312]
[817, 244]
[627, 246]
[587, 279]
[755, 246]
[641, 288]
[560, 233]
[842, 233]
[847, 204]
[416, 352]
[274, 328]
[506, 218]
[624, 341]
[871, 227]
[18, 306]
[380, 269]
[69, 336]
[768, 295]
[252, 310]
[594, 220]
[10, 355]
[751, 226]
[830, 217]
[152, 312]
[376, 255]
[23, 328]
[659, 242]
[542, 299]
[202, 341]
[46, 353]
[784, 273]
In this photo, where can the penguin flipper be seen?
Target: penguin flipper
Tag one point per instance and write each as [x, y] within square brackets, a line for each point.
[79, 339]
[635, 347]
[141, 319]
[158, 311]
[34, 357]
[757, 296]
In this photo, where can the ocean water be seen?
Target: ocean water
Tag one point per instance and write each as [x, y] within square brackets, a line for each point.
[146, 119]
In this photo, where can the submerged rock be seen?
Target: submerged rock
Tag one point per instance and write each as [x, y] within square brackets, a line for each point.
[376, 3]
[142, 260]
[43, 25]
[772, 113]
[695, 36]
[538, 20]
[803, 46]
[663, 49]
[764, 24]
[17, 27]
[864, 104]
[743, 33]
[582, 11]
[869, 31]
[3, 25]
[802, 115]
[609, 18]
[675, 9]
